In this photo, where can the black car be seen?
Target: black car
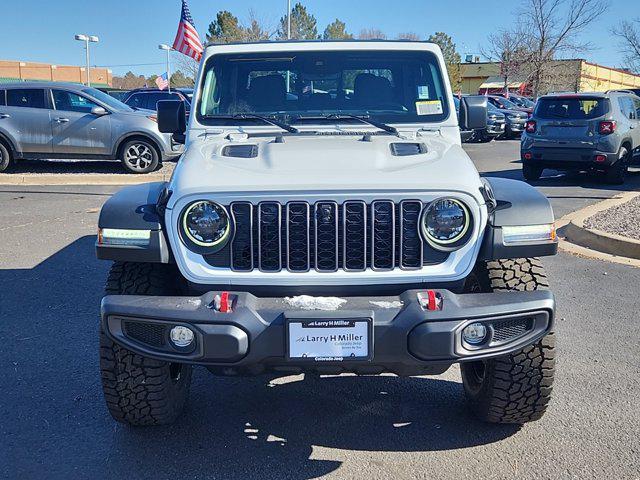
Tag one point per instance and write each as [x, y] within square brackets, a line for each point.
[148, 98]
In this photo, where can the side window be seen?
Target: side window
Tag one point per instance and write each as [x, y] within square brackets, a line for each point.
[26, 97]
[3, 97]
[71, 102]
[636, 106]
[136, 101]
[627, 107]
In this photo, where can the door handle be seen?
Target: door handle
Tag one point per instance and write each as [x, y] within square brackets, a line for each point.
[61, 120]
[5, 115]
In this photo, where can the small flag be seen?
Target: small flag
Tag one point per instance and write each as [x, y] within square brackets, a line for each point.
[187, 39]
[162, 81]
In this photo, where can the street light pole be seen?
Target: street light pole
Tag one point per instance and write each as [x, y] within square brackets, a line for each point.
[288, 38]
[86, 39]
[168, 49]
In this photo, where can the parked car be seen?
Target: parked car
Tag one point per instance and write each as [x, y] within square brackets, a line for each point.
[148, 98]
[519, 101]
[58, 120]
[326, 234]
[515, 120]
[502, 103]
[496, 125]
[116, 93]
[583, 131]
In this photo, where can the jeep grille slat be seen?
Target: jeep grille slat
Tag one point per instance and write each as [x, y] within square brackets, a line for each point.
[326, 236]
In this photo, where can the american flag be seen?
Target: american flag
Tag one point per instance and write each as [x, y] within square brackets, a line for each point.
[162, 81]
[187, 39]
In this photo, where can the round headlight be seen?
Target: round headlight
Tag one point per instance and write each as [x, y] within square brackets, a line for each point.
[206, 224]
[445, 222]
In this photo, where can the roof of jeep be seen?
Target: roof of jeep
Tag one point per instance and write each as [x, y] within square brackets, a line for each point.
[293, 41]
[581, 94]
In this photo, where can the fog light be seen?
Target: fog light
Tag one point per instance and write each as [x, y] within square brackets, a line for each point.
[181, 336]
[475, 333]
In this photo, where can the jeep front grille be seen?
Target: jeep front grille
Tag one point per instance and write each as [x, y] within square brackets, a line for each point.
[327, 236]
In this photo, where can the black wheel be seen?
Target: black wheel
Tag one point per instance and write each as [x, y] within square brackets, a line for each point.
[531, 173]
[483, 137]
[140, 390]
[514, 388]
[617, 172]
[5, 158]
[139, 156]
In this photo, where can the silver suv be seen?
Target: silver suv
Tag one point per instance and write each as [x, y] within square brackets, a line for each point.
[56, 120]
[583, 131]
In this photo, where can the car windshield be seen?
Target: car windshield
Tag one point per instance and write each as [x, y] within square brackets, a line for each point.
[108, 100]
[506, 104]
[574, 108]
[387, 86]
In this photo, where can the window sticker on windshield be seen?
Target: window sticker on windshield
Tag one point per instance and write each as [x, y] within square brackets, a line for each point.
[423, 92]
[429, 107]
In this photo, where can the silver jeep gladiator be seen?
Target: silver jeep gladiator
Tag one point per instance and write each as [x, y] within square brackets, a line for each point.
[325, 219]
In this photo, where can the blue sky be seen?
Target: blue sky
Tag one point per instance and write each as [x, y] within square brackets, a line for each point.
[129, 31]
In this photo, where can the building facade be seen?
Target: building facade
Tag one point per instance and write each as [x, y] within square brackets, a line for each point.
[575, 75]
[16, 71]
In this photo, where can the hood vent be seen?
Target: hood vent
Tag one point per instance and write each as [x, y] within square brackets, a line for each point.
[405, 149]
[240, 151]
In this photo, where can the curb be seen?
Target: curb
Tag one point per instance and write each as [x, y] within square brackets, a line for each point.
[82, 179]
[595, 243]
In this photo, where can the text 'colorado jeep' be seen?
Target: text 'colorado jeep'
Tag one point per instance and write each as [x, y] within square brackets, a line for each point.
[324, 218]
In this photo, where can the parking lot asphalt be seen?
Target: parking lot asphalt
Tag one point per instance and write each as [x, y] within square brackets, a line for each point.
[53, 423]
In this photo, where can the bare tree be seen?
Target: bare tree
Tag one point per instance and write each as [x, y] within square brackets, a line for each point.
[411, 36]
[509, 49]
[372, 34]
[553, 28]
[628, 32]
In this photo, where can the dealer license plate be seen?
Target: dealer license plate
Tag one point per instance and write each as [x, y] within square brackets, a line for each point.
[329, 340]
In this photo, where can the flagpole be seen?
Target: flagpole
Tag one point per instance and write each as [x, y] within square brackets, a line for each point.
[168, 49]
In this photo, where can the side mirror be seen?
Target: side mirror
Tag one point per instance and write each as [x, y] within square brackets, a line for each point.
[172, 118]
[473, 113]
[98, 111]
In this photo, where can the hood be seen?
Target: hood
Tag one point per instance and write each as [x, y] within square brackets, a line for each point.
[317, 163]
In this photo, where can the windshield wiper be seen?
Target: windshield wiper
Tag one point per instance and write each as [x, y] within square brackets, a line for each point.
[362, 118]
[271, 121]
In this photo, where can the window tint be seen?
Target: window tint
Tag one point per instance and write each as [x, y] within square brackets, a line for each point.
[154, 98]
[26, 97]
[136, 101]
[574, 108]
[3, 100]
[71, 102]
[627, 107]
[636, 105]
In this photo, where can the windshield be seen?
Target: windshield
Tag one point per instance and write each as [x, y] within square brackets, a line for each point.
[392, 87]
[506, 104]
[107, 99]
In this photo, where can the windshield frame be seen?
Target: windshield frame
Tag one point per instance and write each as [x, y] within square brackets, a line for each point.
[381, 115]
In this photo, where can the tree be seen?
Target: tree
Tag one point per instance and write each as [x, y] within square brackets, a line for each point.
[255, 31]
[129, 81]
[553, 28]
[414, 37]
[628, 33]
[336, 30]
[179, 79]
[225, 29]
[451, 58]
[303, 25]
[372, 34]
[510, 50]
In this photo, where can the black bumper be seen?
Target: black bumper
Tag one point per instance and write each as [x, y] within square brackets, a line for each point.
[568, 158]
[406, 340]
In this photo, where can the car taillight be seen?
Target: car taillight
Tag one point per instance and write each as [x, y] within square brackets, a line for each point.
[531, 126]
[607, 127]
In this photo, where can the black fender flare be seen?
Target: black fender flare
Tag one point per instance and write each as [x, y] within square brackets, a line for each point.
[137, 207]
[514, 203]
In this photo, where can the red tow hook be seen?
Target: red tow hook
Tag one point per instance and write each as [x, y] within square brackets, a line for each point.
[430, 300]
[223, 303]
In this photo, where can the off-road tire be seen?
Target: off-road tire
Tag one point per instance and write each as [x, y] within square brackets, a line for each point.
[5, 158]
[140, 390]
[617, 172]
[514, 388]
[531, 173]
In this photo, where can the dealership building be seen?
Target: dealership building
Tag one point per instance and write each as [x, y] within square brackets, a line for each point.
[16, 71]
[576, 75]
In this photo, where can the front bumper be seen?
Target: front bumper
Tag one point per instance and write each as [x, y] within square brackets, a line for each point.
[406, 339]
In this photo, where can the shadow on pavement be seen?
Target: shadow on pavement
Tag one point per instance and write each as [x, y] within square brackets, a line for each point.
[54, 423]
[40, 167]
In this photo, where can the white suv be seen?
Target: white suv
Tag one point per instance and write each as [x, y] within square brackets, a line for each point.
[325, 218]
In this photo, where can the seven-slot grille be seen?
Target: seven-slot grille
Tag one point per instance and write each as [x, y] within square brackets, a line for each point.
[326, 236]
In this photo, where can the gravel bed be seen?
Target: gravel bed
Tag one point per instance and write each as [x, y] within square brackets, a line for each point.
[76, 167]
[623, 219]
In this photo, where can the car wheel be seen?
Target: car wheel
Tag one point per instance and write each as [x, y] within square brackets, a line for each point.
[531, 173]
[514, 388]
[617, 172]
[5, 158]
[139, 156]
[140, 390]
